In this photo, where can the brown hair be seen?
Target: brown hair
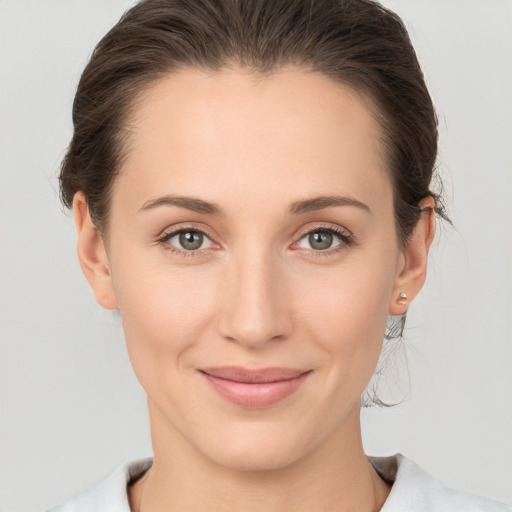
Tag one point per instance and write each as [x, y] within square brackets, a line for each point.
[356, 42]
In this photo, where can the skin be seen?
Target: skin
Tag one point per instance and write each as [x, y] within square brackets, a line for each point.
[257, 293]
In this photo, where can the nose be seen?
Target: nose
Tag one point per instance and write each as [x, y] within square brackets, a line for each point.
[254, 305]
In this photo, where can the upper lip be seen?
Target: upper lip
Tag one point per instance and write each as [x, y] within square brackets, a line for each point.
[252, 376]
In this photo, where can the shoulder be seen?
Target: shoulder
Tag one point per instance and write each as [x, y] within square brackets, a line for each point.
[110, 494]
[415, 490]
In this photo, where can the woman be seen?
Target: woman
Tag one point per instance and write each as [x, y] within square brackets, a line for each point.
[250, 182]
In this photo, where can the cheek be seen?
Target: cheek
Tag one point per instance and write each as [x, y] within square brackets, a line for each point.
[346, 311]
[163, 311]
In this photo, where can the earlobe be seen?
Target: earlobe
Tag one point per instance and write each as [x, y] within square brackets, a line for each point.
[413, 265]
[92, 254]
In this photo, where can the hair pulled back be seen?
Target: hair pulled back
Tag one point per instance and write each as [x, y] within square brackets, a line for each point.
[354, 42]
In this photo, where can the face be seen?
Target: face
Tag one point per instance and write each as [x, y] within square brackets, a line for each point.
[253, 257]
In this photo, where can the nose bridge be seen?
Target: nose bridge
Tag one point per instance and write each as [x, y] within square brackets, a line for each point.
[254, 309]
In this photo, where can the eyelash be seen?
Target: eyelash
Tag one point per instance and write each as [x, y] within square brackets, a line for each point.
[182, 252]
[347, 240]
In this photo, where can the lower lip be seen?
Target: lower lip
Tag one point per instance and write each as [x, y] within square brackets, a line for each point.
[255, 395]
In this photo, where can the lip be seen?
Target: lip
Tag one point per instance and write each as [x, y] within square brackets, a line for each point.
[254, 388]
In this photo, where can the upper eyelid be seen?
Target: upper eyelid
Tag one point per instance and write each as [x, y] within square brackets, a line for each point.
[174, 230]
[346, 239]
[338, 230]
[300, 234]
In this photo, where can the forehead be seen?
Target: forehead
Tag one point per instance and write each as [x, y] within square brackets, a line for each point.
[292, 131]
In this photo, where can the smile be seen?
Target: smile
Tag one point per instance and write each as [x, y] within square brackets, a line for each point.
[254, 389]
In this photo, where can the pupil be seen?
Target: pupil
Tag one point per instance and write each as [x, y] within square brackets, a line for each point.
[191, 240]
[320, 240]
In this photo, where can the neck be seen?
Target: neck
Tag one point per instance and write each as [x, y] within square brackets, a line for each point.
[335, 476]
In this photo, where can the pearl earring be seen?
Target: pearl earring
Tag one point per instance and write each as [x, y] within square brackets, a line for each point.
[402, 299]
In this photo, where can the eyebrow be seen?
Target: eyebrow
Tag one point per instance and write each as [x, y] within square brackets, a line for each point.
[296, 208]
[321, 202]
[190, 203]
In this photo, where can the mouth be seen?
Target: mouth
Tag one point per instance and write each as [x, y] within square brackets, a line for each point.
[254, 388]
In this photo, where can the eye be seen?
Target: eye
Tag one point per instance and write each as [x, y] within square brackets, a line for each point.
[188, 240]
[323, 239]
[320, 240]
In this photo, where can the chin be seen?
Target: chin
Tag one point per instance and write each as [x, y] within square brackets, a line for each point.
[258, 447]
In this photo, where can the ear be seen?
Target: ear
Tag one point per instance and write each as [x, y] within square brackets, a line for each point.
[92, 254]
[413, 265]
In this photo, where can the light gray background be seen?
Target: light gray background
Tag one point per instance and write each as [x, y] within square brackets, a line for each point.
[71, 410]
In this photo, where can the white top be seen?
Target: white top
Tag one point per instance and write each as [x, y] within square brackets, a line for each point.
[413, 490]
